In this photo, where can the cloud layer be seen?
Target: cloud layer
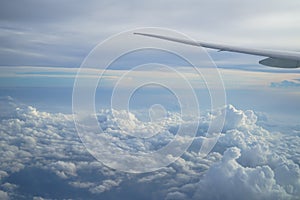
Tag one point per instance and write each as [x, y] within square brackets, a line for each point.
[247, 162]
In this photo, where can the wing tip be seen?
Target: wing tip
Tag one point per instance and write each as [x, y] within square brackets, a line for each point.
[137, 33]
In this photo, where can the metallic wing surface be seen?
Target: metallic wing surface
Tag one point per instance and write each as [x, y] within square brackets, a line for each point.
[274, 58]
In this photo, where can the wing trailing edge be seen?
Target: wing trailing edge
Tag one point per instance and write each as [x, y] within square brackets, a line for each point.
[280, 59]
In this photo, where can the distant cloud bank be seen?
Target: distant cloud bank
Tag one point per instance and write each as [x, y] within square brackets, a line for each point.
[285, 84]
[247, 162]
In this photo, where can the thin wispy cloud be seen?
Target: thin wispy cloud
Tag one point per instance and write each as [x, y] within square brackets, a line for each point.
[51, 33]
[230, 77]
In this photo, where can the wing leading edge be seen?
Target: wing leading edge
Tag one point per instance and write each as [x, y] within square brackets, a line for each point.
[280, 59]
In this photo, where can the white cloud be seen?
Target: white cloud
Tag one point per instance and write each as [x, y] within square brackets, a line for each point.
[9, 187]
[79, 184]
[38, 198]
[4, 195]
[64, 169]
[247, 159]
[175, 196]
[105, 186]
[249, 167]
[227, 179]
[3, 174]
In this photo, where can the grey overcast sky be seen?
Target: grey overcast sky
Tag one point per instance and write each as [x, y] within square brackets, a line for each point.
[61, 33]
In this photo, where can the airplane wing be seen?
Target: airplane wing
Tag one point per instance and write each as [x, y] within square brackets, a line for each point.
[280, 59]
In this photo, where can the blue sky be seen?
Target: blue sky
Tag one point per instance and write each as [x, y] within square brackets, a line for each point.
[44, 43]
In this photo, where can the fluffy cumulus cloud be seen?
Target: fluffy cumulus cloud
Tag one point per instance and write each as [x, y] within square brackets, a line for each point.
[228, 179]
[252, 167]
[3, 195]
[43, 149]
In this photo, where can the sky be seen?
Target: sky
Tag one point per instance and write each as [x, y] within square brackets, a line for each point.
[52, 54]
[61, 34]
